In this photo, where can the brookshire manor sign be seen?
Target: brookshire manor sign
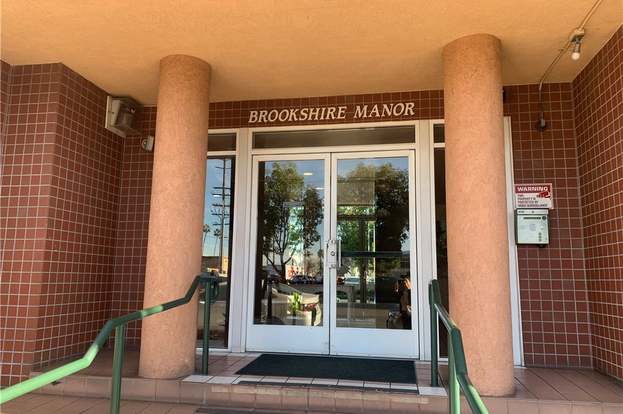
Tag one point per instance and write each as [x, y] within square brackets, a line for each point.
[328, 113]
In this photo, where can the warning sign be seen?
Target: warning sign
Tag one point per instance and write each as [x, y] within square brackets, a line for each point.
[534, 196]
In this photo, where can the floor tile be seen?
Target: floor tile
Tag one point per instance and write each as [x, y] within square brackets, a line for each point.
[222, 380]
[432, 391]
[377, 385]
[324, 381]
[274, 379]
[299, 380]
[197, 378]
[404, 387]
[349, 383]
[248, 378]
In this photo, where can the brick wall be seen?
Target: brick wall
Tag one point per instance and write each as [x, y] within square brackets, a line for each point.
[27, 161]
[554, 303]
[58, 203]
[598, 93]
[133, 225]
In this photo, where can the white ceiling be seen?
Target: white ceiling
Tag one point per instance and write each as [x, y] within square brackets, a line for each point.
[263, 49]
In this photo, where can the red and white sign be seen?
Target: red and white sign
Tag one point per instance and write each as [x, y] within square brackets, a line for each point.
[534, 196]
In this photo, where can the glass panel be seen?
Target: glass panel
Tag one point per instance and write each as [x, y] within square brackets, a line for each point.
[289, 255]
[373, 284]
[333, 137]
[217, 239]
[222, 142]
[441, 236]
[438, 133]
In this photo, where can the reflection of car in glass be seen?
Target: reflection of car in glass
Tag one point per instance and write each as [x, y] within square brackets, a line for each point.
[341, 297]
[300, 279]
[304, 279]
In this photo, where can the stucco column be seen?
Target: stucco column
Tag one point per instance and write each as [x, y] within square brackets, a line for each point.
[476, 209]
[168, 340]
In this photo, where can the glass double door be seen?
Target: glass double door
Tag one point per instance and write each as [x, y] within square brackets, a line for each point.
[333, 258]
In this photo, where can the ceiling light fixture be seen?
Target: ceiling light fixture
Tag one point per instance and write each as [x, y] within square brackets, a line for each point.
[576, 41]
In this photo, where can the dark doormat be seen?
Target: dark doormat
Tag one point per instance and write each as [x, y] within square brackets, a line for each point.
[359, 369]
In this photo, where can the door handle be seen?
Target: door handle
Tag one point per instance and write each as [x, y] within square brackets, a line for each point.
[339, 253]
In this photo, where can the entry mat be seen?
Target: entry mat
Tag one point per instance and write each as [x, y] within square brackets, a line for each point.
[306, 366]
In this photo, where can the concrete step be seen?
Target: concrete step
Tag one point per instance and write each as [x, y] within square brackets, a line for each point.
[263, 398]
[252, 396]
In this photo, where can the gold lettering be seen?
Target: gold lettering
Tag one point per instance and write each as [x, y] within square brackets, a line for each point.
[361, 112]
[399, 112]
[341, 112]
[272, 118]
[313, 113]
[304, 114]
[292, 116]
[322, 113]
[331, 112]
[262, 117]
[283, 115]
[409, 108]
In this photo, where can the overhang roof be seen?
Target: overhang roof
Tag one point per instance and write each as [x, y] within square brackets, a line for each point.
[262, 49]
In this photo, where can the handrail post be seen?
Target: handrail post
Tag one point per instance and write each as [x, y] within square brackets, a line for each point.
[207, 287]
[434, 357]
[454, 393]
[117, 368]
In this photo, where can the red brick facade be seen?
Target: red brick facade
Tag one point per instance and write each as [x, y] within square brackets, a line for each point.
[133, 225]
[75, 211]
[598, 91]
[60, 189]
[554, 303]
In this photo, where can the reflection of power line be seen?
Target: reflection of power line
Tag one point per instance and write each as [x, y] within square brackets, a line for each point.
[221, 210]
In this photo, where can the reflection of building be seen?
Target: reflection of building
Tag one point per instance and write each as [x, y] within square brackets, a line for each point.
[215, 262]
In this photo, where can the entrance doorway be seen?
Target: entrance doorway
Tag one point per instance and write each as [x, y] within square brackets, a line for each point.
[333, 254]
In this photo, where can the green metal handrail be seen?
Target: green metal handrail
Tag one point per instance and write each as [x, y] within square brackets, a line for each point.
[458, 380]
[211, 286]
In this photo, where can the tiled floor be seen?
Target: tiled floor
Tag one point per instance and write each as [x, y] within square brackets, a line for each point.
[538, 390]
[531, 383]
[222, 368]
[52, 404]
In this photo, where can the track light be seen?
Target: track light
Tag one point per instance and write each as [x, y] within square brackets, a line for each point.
[575, 55]
[576, 41]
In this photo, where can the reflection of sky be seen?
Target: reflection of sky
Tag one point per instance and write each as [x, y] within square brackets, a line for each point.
[213, 204]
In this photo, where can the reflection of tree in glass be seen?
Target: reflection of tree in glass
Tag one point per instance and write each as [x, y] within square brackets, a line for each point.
[291, 216]
[373, 202]
[312, 216]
